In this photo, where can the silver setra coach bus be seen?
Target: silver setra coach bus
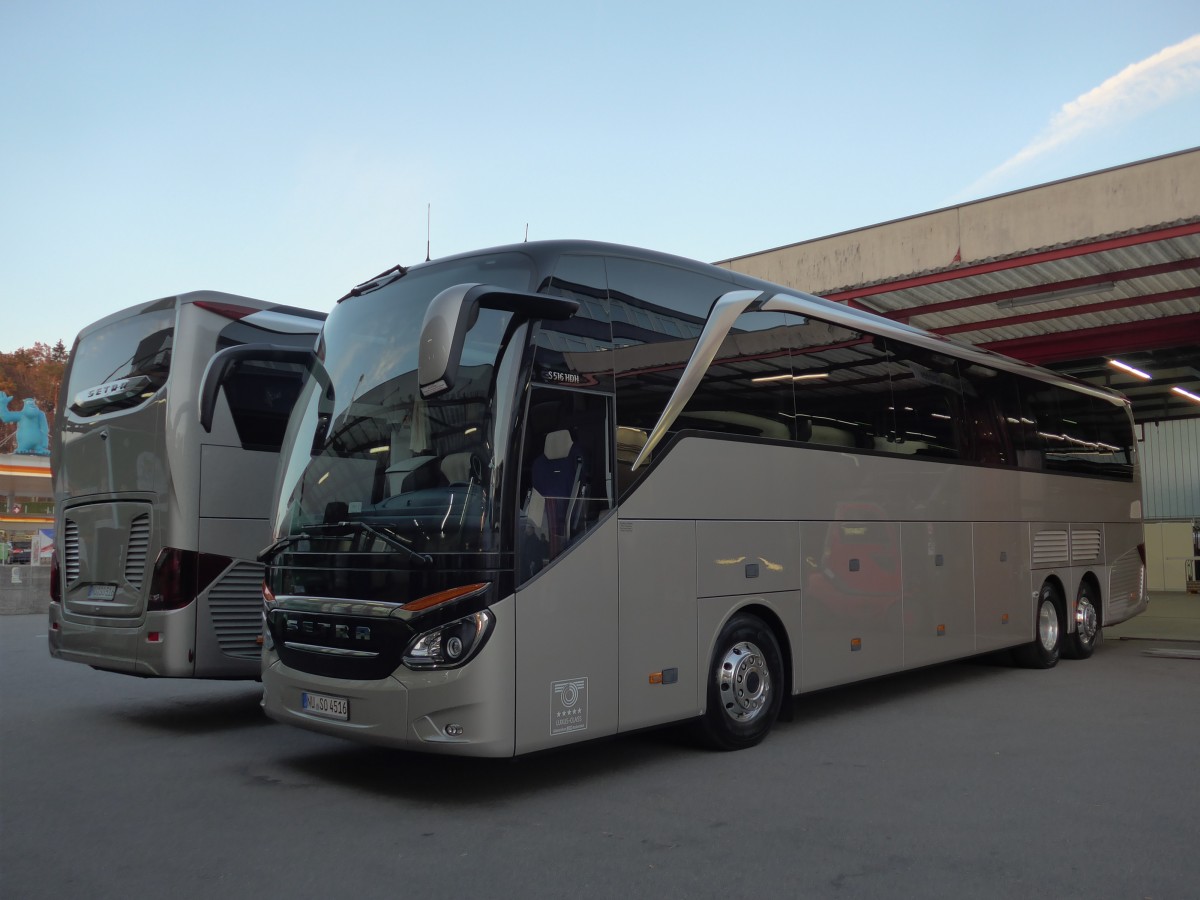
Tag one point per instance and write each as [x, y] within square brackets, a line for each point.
[157, 523]
[554, 491]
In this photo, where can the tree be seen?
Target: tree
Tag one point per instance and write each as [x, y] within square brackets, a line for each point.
[35, 372]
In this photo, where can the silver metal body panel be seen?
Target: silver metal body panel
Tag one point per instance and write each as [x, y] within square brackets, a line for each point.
[938, 574]
[1003, 613]
[870, 565]
[658, 590]
[201, 493]
[566, 646]
[413, 710]
[128, 649]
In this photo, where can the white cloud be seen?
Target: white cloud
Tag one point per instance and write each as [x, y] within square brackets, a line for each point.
[1135, 90]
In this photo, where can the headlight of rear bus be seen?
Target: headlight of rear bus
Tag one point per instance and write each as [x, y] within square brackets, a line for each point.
[449, 645]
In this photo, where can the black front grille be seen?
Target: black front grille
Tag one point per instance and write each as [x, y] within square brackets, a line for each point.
[339, 646]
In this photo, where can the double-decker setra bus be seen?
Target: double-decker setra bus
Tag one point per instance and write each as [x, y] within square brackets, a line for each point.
[553, 491]
[157, 524]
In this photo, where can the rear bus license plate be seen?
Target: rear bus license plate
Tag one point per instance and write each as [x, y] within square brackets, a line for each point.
[102, 592]
[326, 706]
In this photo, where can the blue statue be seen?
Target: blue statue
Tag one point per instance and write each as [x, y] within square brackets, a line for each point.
[33, 433]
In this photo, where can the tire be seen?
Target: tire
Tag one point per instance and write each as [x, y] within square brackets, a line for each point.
[745, 686]
[1081, 643]
[1043, 651]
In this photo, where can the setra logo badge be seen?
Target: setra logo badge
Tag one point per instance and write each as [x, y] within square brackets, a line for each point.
[568, 705]
[329, 631]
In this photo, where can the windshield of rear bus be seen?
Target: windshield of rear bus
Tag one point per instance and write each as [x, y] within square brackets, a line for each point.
[371, 467]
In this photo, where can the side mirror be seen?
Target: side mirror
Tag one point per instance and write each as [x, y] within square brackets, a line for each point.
[450, 316]
[223, 363]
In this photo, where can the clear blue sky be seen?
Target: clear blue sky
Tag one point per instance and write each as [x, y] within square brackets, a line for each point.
[288, 150]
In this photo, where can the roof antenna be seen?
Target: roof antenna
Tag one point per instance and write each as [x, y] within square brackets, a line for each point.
[428, 206]
[527, 232]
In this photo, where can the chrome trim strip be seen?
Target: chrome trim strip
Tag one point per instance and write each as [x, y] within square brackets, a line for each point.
[724, 313]
[334, 606]
[330, 651]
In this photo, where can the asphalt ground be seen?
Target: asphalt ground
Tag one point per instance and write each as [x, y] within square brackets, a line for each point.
[970, 779]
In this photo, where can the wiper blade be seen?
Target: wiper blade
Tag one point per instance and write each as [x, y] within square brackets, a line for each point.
[374, 284]
[280, 545]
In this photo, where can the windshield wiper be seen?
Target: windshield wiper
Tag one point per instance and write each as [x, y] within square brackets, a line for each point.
[337, 528]
[374, 284]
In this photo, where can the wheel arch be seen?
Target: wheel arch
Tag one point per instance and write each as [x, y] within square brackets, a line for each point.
[1060, 591]
[771, 619]
[1091, 578]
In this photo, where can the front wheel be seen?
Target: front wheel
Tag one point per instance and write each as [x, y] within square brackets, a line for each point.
[1082, 643]
[1043, 651]
[745, 685]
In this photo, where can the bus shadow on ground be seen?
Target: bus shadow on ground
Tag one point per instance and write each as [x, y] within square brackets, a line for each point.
[471, 782]
[857, 697]
[200, 715]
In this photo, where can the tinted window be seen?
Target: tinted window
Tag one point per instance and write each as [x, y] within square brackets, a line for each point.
[928, 397]
[1000, 432]
[133, 347]
[576, 352]
[747, 389]
[658, 311]
[842, 386]
[1080, 433]
[261, 396]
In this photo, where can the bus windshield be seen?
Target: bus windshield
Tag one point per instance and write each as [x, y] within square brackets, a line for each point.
[374, 468]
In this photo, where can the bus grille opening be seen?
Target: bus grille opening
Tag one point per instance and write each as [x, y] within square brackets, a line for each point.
[136, 549]
[70, 552]
[235, 602]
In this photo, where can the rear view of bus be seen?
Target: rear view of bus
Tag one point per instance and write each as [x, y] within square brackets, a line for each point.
[158, 523]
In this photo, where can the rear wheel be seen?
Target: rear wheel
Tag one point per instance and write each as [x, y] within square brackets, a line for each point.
[1082, 642]
[745, 685]
[1044, 650]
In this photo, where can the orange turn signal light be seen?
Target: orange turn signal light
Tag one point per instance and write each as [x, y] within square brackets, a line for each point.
[430, 600]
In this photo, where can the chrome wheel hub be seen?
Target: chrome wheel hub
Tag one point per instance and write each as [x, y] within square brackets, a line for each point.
[1048, 625]
[1087, 623]
[744, 682]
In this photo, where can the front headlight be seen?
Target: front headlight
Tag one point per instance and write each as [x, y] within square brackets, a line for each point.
[449, 645]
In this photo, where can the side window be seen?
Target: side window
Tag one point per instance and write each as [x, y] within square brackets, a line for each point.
[261, 396]
[928, 397]
[1081, 433]
[566, 473]
[658, 311]
[576, 352]
[842, 386]
[747, 389]
[999, 430]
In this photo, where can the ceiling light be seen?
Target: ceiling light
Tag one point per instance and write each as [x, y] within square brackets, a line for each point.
[1117, 364]
[1052, 295]
[765, 378]
[1193, 397]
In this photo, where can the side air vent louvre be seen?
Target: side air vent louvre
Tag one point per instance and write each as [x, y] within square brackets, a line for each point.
[70, 551]
[136, 549]
[235, 602]
[1049, 548]
[1085, 545]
